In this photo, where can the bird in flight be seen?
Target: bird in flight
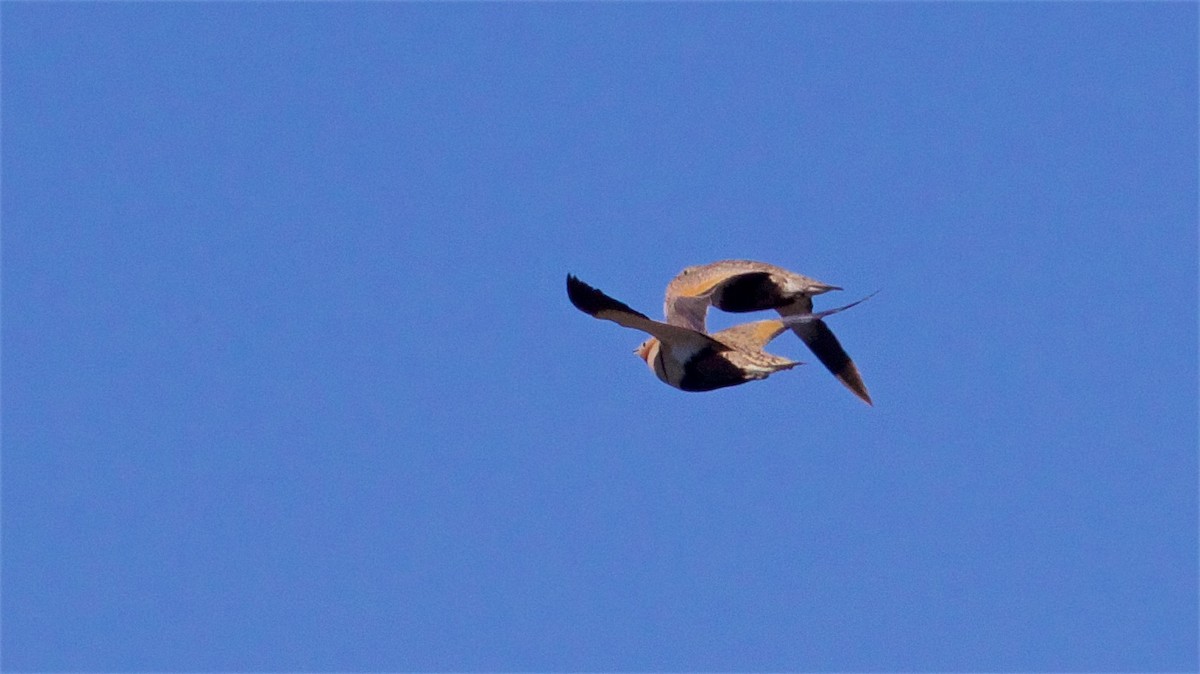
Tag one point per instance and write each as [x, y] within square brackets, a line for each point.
[690, 359]
[746, 285]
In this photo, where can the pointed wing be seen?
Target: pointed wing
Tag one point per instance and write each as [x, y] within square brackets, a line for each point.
[821, 341]
[595, 303]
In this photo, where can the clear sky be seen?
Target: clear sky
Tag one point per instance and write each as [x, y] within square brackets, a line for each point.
[291, 381]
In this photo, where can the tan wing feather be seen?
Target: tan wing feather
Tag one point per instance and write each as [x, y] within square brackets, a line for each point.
[689, 295]
[751, 336]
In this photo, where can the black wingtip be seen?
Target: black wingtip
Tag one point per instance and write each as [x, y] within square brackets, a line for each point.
[591, 301]
[581, 294]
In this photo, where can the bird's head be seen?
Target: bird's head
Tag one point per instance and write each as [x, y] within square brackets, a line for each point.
[648, 350]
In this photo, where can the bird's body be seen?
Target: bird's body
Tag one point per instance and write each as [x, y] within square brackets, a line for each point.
[687, 358]
[736, 286]
[711, 367]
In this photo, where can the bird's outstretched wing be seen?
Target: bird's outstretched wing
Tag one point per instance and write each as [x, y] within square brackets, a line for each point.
[691, 292]
[595, 303]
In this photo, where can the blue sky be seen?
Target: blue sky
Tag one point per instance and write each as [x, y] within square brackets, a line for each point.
[291, 382]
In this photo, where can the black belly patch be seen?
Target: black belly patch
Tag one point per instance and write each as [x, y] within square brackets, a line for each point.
[709, 371]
